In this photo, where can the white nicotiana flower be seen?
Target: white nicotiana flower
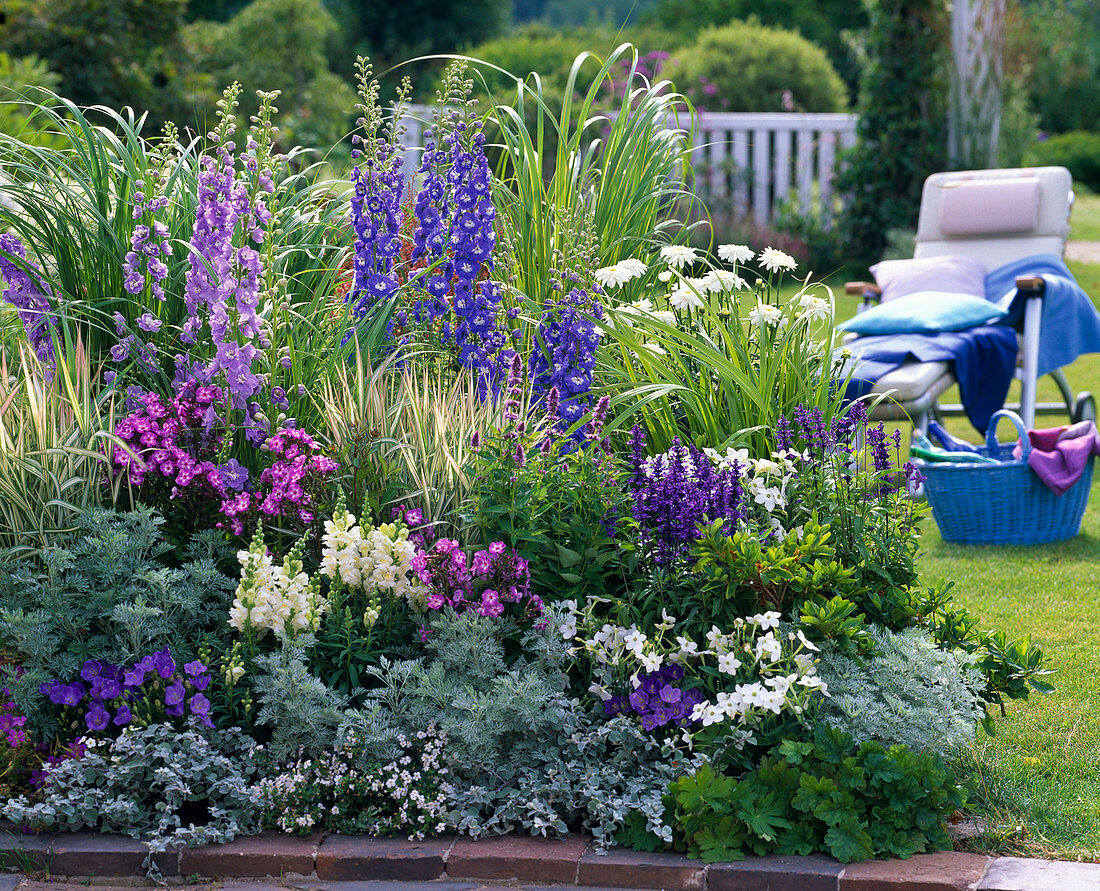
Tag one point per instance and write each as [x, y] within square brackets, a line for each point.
[767, 620]
[770, 497]
[806, 643]
[651, 661]
[735, 253]
[684, 297]
[599, 691]
[687, 647]
[728, 663]
[765, 314]
[768, 647]
[678, 255]
[667, 622]
[773, 260]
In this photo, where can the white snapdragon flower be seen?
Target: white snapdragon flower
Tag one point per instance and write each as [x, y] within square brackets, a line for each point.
[735, 253]
[773, 260]
[678, 255]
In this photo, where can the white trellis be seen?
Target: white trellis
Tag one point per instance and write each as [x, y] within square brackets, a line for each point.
[977, 49]
[748, 163]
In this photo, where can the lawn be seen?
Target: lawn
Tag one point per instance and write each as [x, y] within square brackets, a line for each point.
[1039, 779]
[1085, 220]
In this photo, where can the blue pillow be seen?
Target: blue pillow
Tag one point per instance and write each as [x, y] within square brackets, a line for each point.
[924, 312]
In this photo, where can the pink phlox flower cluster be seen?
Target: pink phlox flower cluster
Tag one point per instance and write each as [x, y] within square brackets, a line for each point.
[486, 583]
[175, 440]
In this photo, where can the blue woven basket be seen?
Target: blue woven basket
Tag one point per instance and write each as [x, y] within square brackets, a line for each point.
[1006, 503]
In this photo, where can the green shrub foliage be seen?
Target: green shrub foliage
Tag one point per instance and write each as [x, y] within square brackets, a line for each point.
[752, 67]
[901, 130]
[824, 795]
[1079, 151]
[113, 591]
[907, 692]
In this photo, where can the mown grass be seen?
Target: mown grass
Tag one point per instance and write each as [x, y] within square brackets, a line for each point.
[1085, 219]
[1039, 778]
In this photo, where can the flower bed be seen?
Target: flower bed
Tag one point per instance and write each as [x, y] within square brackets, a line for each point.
[544, 521]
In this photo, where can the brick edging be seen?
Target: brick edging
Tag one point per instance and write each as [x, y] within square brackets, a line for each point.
[567, 862]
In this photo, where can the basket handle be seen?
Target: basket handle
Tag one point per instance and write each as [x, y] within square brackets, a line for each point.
[991, 432]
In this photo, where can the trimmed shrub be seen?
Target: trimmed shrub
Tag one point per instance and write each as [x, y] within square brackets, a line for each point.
[1078, 150]
[748, 67]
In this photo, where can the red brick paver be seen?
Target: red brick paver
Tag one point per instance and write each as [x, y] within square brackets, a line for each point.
[343, 858]
[942, 871]
[518, 857]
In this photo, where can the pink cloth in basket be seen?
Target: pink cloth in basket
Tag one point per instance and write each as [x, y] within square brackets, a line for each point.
[1059, 455]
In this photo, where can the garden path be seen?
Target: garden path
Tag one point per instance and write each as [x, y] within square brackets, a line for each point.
[1083, 251]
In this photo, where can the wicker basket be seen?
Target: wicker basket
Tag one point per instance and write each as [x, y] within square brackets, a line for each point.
[1006, 503]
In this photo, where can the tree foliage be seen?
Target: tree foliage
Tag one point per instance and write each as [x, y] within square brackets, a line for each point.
[109, 52]
[902, 124]
[828, 23]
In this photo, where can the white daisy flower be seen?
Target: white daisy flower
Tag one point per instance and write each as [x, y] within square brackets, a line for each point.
[735, 253]
[619, 273]
[665, 317]
[815, 307]
[765, 314]
[665, 275]
[773, 260]
[723, 280]
[679, 255]
[685, 297]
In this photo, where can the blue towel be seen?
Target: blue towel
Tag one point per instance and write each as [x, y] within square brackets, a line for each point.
[984, 361]
[1070, 324]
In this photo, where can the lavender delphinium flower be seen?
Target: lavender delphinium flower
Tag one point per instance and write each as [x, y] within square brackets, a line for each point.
[149, 245]
[223, 278]
[29, 294]
[675, 492]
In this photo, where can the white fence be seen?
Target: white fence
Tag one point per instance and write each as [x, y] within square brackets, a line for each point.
[746, 164]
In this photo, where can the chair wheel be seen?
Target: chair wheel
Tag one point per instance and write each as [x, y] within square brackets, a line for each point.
[1084, 408]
